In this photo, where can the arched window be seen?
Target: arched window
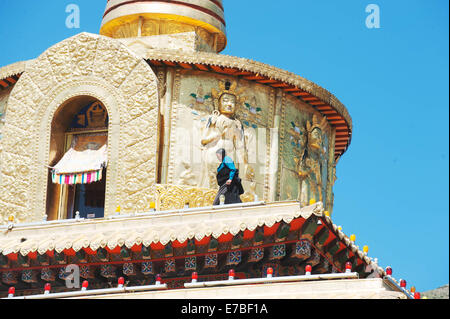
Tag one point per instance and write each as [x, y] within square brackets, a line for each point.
[78, 160]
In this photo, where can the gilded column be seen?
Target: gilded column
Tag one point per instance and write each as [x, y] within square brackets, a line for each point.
[275, 147]
[331, 172]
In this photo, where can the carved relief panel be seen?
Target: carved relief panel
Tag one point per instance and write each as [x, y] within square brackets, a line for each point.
[202, 124]
[305, 148]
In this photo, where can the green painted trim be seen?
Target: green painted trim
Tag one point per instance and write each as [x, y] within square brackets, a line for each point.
[3, 260]
[124, 253]
[213, 243]
[102, 254]
[333, 247]
[310, 226]
[323, 236]
[145, 251]
[23, 260]
[343, 256]
[283, 231]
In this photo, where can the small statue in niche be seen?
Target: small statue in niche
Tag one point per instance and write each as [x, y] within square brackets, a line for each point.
[223, 130]
[309, 163]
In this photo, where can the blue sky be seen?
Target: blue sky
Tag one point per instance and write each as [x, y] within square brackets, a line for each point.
[392, 188]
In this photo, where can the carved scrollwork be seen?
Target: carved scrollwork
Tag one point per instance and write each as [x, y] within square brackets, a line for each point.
[177, 197]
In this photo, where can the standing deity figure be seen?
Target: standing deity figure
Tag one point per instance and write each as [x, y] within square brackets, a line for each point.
[309, 164]
[223, 130]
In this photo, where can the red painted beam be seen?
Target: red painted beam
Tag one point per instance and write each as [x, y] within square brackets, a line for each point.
[217, 68]
[169, 63]
[11, 80]
[157, 63]
[267, 81]
[254, 77]
[202, 67]
[302, 93]
[185, 66]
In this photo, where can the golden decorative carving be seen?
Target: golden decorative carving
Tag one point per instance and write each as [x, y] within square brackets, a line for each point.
[227, 88]
[170, 197]
[177, 197]
[308, 163]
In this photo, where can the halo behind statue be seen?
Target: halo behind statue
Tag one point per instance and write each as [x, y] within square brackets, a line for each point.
[227, 87]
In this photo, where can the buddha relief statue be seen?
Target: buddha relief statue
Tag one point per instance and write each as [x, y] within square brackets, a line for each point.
[223, 130]
[309, 163]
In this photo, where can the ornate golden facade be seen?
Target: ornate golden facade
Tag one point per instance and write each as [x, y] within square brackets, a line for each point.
[164, 107]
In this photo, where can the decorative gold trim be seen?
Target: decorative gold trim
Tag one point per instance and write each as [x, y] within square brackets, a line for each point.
[331, 171]
[178, 197]
[269, 125]
[174, 124]
[281, 146]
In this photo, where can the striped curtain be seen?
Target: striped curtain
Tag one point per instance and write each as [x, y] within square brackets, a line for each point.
[79, 178]
[80, 167]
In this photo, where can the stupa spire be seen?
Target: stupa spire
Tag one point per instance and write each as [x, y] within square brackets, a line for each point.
[129, 19]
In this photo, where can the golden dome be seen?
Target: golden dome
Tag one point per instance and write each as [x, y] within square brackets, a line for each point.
[134, 18]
